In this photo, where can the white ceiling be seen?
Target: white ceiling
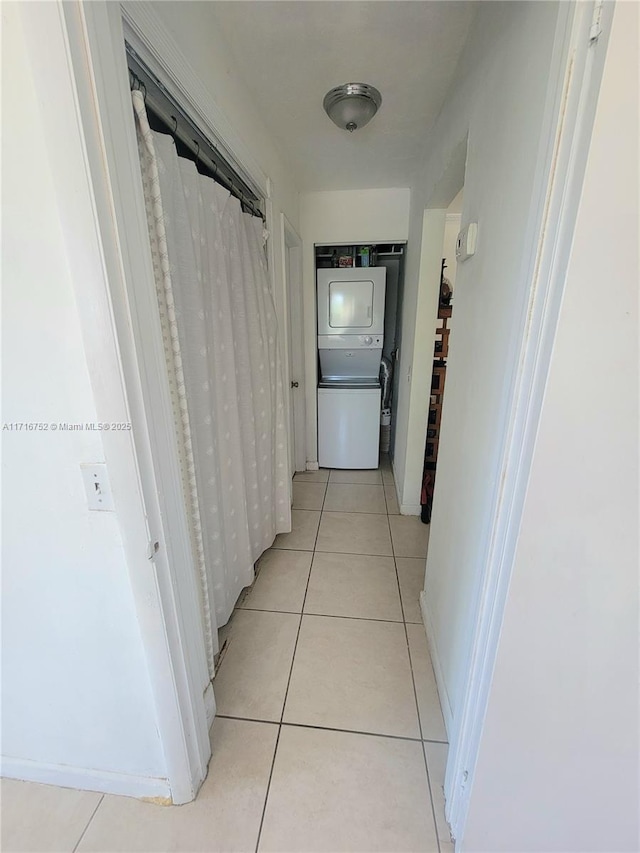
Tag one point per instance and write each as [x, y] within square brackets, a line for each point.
[291, 53]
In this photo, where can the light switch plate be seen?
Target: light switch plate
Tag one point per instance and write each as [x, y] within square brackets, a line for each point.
[97, 486]
[466, 242]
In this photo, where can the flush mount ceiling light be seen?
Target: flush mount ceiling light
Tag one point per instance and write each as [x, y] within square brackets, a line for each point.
[352, 105]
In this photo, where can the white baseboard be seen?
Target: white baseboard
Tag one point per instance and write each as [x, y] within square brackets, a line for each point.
[445, 704]
[410, 509]
[313, 466]
[104, 781]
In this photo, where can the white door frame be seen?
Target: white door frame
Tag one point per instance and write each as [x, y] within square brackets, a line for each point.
[578, 60]
[169, 610]
[294, 344]
[163, 574]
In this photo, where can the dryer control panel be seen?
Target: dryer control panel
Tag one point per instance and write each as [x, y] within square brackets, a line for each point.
[350, 341]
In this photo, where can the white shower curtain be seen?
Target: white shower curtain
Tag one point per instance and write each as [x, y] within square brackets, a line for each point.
[221, 342]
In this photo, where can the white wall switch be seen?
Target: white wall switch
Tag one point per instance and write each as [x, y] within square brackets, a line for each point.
[466, 242]
[97, 487]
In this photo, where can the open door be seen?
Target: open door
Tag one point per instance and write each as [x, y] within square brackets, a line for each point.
[292, 249]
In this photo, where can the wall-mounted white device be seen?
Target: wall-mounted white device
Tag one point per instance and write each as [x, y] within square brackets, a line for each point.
[466, 242]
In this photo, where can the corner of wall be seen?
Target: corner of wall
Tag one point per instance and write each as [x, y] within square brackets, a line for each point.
[445, 702]
[422, 281]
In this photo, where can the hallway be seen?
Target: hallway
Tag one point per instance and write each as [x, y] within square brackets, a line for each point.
[329, 734]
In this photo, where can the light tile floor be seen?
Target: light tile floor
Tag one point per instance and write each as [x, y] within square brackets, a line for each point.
[329, 734]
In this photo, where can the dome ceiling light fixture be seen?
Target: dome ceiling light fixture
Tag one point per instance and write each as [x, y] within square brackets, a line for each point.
[352, 105]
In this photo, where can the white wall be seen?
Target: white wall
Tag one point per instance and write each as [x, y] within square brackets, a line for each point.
[558, 765]
[456, 205]
[437, 240]
[498, 104]
[451, 231]
[77, 706]
[347, 216]
[416, 355]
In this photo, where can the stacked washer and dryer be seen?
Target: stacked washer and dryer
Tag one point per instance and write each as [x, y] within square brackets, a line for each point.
[350, 340]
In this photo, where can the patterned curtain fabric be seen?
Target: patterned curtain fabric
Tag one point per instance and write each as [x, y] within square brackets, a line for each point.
[221, 342]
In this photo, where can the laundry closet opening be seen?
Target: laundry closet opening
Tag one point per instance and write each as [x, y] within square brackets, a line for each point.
[359, 289]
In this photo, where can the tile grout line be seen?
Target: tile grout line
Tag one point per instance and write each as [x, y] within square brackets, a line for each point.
[424, 751]
[345, 482]
[386, 503]
[344, 553]
[329, 729]
[354, 511]
[266, 793]
[352, 732]
[328, 615]
[415, 691]
[421, 739]
[286, 692]
[349, 483]
[83, 833]
[247, 719]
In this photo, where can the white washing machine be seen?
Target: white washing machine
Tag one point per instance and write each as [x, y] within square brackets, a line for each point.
[350, 339]
[348, 424]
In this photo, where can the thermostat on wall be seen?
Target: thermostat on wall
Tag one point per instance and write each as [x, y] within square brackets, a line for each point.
[466, 242]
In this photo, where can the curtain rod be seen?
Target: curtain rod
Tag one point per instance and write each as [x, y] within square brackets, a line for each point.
[183, 130]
